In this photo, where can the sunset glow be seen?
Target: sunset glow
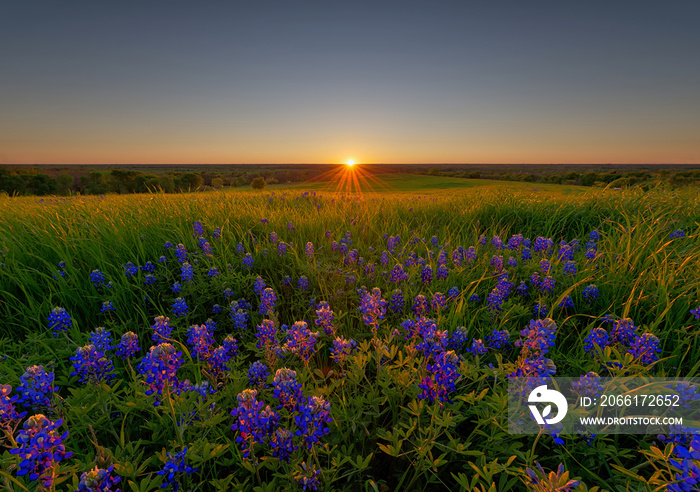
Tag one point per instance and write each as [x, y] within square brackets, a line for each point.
[350, 162]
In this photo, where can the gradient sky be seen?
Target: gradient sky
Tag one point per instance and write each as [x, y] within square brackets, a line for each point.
[326, 81]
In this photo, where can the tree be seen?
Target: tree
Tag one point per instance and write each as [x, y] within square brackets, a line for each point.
[191, 181]
[217, 183]
[258, 183]
[65, 184]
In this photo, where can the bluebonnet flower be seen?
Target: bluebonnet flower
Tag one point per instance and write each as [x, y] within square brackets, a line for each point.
[99, 480]
[392, 243]
[149, 279]
[160, 367]
[547, 483]
[433, 341]
[522, 289]
[477, 347]
[91, 365]
[623, 331]
[107, 306]
[497, 242]
[324, 318]
[217, 233]
[97, 278]
[180, 307]
[570, 268]
[420, 305]
[200, 341]
[213, 272]
[597, 337]
[438, 301]
[181, 253]
[497, 262]
[696, 312]
[101, 339]
[301, 341]
[540, 310]
[453, 293]
[512, 262]
[482, 240]
[273, 237]
[62, 265]
[440, 382]
[176, 287]
[230, 346]
[457, 339]
[470, 255]
[590, 254]
[258, 285]
[257, 374]
[205, 246]
[282, 444]
[148, 267]
[130, 269]
[228, 292]
[129, 345]
[309, 250]
[282, 248]
[36, 387]
[588, 385]
[687, 465]
[342, 348]
[168, 245]
[238, 316]
[542, 244]
[266, 333]
[547, 284]
[287, 389]
[515, 241]
[566, 251]
[398, 274]
[474, 298]
[216, 309]
[545, 266]
[187, 273]
[59, 320]
[373, 308]
[458, 256]
[426, 275]
[594, 235]
[384, 258]
[268, 299]
[441, 273]
[161, 329]
[39, 448]
[312, 420]
[567, 303]
[644, 347]
[498, 339]
[526, 255]
[591, 293]
[303, 283]
[198, 229]
[307, 477]
[677, 233]
[264, 221]
[174, 468]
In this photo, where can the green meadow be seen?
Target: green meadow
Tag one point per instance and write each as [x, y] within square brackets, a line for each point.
[383, 432]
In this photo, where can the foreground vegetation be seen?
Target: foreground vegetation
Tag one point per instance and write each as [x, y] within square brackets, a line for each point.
[401, 388]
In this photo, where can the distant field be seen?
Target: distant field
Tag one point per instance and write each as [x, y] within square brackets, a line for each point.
[412, 183]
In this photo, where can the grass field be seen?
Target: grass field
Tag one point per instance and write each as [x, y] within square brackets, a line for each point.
[403, 388]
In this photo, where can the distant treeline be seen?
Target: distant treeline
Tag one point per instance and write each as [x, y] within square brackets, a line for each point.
[32, 182]
[613, 178]
[72, 180]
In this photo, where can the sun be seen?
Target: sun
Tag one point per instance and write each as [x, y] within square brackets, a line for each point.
[350, 162]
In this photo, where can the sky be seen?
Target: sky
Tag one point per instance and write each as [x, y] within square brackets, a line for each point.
[326, 81]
